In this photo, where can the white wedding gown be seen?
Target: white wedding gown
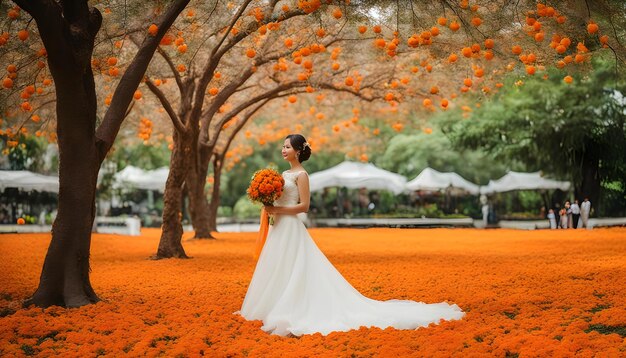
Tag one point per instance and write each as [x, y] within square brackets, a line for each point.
[295, 289]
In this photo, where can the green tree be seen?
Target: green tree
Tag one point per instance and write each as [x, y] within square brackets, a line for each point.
[410, 154]
[148, 157]
[569, 130]
[27, 155]
[69, 33]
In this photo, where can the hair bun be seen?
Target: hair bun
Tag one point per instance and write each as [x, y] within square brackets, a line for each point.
[299, 143]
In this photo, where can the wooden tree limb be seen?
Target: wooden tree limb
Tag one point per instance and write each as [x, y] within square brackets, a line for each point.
[108, 129]
[48, 15]
[167, 105]
[218, 52]
[37, 8]
[330, 86]
[167, 59]
[172, 67]
[234, 20]
[269, 94]
[229, 90]
[239, 126]
[244, 121]
[74, 10]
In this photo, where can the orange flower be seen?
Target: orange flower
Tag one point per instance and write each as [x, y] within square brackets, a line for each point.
[266, 186]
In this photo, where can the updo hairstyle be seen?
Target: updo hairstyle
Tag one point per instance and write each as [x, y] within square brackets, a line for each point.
[299, 143]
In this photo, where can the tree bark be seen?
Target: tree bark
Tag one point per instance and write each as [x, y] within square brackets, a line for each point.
[64, 278]
[170, 244]
[198, 204]
[215, 193]
[68, 30]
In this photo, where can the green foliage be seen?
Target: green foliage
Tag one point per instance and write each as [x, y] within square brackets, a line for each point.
[549, 124]
[224, 211]
[429, 211]
[28, 219]
[565, 130]
[245, 209]
[409, 154]
[28, 154]
[140, 155]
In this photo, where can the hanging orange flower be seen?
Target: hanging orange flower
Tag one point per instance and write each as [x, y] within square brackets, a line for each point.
[153, 29]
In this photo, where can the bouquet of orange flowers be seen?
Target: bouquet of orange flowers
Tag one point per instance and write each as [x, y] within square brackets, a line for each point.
[265, 187]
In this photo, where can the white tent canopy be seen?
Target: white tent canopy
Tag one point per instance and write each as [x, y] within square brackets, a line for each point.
[523, 181]
[138, 178]
[28, 181]
[356, 175]
[430, 179]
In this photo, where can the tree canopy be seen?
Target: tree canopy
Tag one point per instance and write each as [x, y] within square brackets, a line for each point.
[569, 130]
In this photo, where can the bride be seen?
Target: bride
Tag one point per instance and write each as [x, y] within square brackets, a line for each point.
[295, 290]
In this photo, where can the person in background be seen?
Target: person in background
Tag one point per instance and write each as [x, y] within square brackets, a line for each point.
[563, 218]
[568, 209]
[552, 219]
[575, 214]
[585, 209]
[42, 217]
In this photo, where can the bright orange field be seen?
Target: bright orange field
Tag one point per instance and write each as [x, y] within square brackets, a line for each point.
[526, 293]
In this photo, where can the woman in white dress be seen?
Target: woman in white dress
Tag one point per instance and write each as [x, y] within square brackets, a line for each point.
[295, 290]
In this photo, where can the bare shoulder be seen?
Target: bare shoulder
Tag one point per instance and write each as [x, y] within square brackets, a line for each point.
[302, 177]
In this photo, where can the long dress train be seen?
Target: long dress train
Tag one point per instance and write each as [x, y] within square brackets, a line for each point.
[295, 289]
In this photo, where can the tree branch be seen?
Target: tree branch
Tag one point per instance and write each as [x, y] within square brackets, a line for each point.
[242, 8]
[172, 66]
[49, 18]
[167, 59]
[269, 94]
[217, 53]
[166, 104]
[239, 126]
[36, 7]
[110, 126]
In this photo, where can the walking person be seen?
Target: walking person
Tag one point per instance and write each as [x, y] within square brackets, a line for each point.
[575, 214]
[585, 209]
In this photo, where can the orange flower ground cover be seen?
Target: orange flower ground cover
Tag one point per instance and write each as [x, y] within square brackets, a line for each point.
[526, 293]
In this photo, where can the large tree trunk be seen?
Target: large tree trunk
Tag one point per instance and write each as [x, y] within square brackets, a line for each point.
[68, 30]
[215, 193]
[65, 275]
[198, 204]
[64, 279]
[170, 244]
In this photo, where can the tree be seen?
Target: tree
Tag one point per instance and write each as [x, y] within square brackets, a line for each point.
[572, 129]
[28, 155]
[258, 34]
[68, 30]
[410, 154]
[198, 130]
